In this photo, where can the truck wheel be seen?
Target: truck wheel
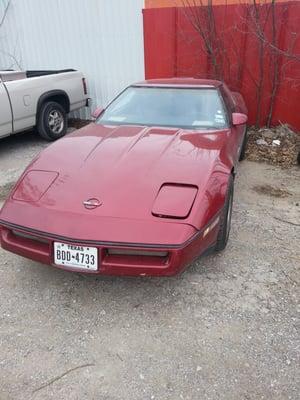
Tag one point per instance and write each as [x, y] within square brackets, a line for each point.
[52, 121]
[225, 223]
[244, 145]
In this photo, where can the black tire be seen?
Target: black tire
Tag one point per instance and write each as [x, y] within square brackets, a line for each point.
[225, 222]
[52, 121]
[244, 146]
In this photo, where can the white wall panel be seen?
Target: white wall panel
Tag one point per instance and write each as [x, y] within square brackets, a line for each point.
[101, 38]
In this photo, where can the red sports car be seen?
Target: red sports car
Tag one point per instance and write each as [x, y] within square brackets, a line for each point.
[143, 190]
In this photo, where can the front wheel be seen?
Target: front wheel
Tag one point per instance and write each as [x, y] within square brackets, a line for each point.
[225, 222]
[52, 121]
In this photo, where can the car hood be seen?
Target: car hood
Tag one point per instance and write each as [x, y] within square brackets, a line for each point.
[122, 167]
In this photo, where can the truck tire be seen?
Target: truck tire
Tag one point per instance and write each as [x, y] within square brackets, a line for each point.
[225, 223]
[52, 121]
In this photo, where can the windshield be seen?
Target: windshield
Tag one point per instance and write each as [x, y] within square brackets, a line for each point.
[171, 107]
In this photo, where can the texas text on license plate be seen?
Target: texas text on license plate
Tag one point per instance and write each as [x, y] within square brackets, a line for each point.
[80, 257]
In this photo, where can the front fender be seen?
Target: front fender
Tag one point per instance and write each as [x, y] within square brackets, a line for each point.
[210, 199]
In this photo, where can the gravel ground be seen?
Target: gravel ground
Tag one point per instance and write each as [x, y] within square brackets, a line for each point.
[227, 328]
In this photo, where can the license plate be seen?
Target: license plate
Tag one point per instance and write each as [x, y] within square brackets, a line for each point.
[80, 257]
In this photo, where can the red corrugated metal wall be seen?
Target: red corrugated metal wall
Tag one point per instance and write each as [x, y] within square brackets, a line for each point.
[174, 48]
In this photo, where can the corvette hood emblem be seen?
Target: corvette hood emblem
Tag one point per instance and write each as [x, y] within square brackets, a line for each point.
[90, 204]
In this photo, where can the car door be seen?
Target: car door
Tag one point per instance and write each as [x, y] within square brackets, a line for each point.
[237, 133]
[5, 113]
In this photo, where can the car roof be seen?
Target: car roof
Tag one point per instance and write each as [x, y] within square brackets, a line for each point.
[177, 82]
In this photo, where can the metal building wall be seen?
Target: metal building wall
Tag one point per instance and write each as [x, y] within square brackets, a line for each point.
[101, 38]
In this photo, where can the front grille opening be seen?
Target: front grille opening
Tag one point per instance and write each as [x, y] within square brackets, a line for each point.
[137, 253]
[30, 237]
[136, 258]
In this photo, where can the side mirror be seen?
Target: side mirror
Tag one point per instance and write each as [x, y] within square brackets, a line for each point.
[239, 119]
[97, 112]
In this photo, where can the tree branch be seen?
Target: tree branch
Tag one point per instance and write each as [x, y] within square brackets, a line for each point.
[5, 13]
[61, 376]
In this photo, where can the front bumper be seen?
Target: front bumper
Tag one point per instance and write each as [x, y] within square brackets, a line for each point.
[39, 246]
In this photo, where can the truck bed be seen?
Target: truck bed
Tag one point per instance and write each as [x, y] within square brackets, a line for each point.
[11, 75]
[34, 73]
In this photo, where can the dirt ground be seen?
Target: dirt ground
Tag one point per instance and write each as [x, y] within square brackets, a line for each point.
[227, 328]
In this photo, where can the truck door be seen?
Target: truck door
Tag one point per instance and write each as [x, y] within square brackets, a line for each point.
[5, 113]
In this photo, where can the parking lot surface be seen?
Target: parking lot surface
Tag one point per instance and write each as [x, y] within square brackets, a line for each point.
[227, 328]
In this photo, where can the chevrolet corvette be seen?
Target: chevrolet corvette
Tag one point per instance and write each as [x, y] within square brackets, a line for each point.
[144, 189]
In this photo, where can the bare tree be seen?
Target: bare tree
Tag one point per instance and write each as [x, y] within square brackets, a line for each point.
[274, 64]
[6, 7]
[257, 24]
[269, 42]
[263, 22]
[11, 55]
[200, 14]
[268, 45]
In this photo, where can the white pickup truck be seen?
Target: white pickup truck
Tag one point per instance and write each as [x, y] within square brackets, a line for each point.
[40, 99]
